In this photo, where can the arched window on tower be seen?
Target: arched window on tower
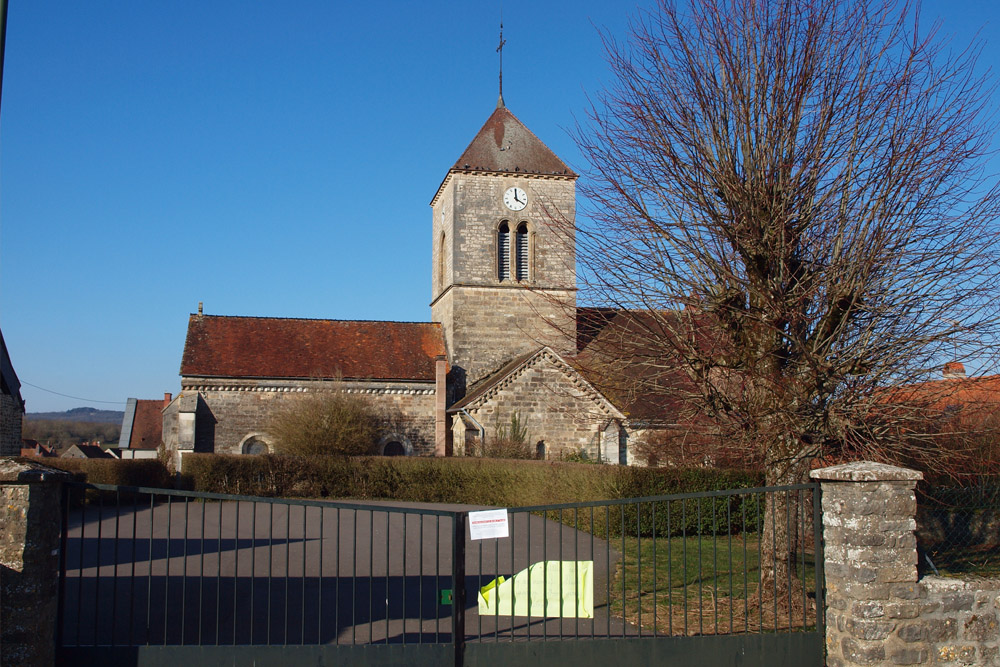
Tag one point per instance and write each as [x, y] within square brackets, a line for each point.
[440, 264]
[521, 248]
[503, 251]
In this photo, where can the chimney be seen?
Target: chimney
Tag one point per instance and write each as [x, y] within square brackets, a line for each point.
[201, 307]
[440, 406]
[167, 397]
[953, 370]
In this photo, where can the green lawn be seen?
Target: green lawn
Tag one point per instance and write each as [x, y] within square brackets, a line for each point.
[704, 585]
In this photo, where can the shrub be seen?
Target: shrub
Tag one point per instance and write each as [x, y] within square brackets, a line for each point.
[331, 421]
[128, 472]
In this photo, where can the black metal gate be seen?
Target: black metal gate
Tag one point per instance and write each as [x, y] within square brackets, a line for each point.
[153, 577]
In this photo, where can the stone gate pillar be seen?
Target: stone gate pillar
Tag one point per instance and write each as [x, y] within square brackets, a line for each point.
[869, 512]
[30, 521]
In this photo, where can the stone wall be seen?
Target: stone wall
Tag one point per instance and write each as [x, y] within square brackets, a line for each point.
[29, 561]
[877, 611]
[557, 408]
[10, 426]
[227, 412]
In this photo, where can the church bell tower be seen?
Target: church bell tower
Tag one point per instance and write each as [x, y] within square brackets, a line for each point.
[504, 257]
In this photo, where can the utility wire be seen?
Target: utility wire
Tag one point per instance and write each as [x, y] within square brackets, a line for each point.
[89, 400]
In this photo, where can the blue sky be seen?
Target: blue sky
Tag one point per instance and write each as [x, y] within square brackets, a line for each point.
[266, 159]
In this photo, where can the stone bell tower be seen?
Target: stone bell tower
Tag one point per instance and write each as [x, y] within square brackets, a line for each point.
[504, 256]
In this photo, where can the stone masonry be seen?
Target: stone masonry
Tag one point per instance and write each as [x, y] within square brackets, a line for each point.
[877, 611]
[29, 561]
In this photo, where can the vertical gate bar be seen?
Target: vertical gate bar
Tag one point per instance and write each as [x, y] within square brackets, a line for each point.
[288, 565]
[774, 551]
[801, 547]
[593, 619]
[63, 542]
[761, 523]
[201, 571]
[149, 572]
[236, 565]
[479, 578]
[655, 581]
[458, 586]
[97, 564]
[131, 594]
[437, 577]
[788, 552]
[79, 587]
[729, 529]
[638, 566]
[405, 517]
[270, 567]
[184, 573]
[302, 615]
[527, 566]
[576, 568]
[819, 580]
[670, 576]
[701, 566]
[387, 564]
[684, 561]
[545, 576]
[371, 575]
[336, 582]
[624, 563]
[496, 588]
[218, 582]
[746, 584]
[319, 581]
[607, 565]
[253, 567]
[166, 574]
[420, 579]
[513, 570]
[354, 579]
[114, 561]
[715, 564]
[562, 596]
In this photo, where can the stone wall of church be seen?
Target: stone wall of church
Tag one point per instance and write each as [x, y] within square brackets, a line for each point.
[10, 426]
[488, 321]
[557, 411]
[229, 412]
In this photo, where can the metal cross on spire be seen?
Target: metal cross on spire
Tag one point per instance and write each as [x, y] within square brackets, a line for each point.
[500, 51]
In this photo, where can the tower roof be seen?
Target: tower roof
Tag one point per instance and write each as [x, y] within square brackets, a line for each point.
[504, 144]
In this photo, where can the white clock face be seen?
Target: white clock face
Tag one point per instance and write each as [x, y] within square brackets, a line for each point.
[515, 198]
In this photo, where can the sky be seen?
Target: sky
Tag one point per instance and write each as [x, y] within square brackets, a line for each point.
[265, 159]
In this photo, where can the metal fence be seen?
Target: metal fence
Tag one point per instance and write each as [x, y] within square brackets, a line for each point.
[958, 529]
[149, 567]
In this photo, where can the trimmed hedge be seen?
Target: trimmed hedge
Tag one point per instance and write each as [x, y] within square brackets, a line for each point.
[495, 482]
[126, 472]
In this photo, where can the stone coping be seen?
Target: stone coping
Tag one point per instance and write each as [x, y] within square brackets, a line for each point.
[24, 471]
[866, 471]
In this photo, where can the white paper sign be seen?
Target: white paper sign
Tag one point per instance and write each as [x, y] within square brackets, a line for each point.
[488, 523]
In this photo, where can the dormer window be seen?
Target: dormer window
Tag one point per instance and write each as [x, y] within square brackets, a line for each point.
[522, 251]
[503, 251]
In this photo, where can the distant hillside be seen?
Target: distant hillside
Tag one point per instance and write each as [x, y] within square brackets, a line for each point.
[89, 415]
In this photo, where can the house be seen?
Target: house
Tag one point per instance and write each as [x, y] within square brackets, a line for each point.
[11, 405]
[503, 339]
[31, 447]
[87, 451]
[142, 428]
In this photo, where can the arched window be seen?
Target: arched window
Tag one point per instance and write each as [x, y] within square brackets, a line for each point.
[521, 248]
[254, 446]
[503, 251]
[440, 266]
[393, 448]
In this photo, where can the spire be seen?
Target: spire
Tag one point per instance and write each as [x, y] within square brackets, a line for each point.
[500, 103]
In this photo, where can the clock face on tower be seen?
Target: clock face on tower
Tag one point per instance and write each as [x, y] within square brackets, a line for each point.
[515, 198]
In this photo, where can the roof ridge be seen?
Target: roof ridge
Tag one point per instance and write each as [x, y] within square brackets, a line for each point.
[308, 319]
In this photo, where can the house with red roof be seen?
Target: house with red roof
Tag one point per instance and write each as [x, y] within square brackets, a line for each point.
[503, 339]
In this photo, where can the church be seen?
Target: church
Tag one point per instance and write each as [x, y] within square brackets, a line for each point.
[505, 338]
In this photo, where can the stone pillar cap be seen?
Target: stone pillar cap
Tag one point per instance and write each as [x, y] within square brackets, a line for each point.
[866, 471]
[21, 470]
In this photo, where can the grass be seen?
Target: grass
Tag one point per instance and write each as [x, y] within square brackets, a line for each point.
[705, 585]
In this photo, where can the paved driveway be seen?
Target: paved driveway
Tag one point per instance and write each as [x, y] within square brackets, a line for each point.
[251, 573]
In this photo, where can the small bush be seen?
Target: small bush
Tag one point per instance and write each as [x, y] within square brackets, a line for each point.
[128, 472]
[328, 422]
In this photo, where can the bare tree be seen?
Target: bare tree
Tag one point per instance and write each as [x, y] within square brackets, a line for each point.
[793, 194]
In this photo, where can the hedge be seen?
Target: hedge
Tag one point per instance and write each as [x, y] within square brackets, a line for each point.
[494, 482]
[120, 472]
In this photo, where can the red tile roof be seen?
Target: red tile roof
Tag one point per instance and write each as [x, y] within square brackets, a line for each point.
[147, 425]
[270, 347]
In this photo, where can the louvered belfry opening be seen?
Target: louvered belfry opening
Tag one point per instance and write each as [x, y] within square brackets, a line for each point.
[522, 251]
[503, 251]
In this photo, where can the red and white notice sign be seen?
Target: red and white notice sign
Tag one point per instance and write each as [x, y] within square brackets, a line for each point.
[488, 523]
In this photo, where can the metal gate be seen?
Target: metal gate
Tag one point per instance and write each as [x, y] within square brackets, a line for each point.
[151, 576]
